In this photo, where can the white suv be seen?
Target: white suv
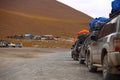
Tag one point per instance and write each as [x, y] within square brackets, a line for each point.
[105, 51]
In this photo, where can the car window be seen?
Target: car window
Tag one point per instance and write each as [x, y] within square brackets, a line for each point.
[108, 28]
[119, 25]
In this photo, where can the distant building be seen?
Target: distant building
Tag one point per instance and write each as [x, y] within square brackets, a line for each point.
[28, 36]
[37, 37]
[48, 37]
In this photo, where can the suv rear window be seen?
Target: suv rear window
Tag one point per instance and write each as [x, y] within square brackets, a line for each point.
[108, 28]
[119, 25]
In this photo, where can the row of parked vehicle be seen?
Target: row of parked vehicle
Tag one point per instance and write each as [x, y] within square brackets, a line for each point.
[8, 44]
[101, 48]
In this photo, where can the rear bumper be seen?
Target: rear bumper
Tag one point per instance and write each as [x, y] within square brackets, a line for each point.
[114, 62]
[114, 58]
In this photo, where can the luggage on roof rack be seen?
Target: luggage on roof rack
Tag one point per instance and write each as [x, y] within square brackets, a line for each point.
[97, 23]
[111, 15]
[115, 6]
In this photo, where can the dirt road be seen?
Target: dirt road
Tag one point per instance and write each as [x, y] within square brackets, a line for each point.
[42, 64]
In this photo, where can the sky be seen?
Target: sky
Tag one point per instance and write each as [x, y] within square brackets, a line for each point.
[93, 8]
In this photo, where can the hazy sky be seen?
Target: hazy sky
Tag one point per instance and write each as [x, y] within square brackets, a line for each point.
[93, 8]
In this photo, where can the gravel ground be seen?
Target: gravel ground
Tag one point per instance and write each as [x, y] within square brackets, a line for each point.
[42, 64]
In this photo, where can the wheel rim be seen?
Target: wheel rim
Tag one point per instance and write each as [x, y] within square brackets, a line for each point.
[105, 67]
[86, 60]
[89, 63]
[79, 57]
[104, 70]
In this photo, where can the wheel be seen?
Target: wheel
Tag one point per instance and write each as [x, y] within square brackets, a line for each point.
[86, 60]
[80, 59]
[75, 57]
[72, 54]
[106, 69]
[90, 66]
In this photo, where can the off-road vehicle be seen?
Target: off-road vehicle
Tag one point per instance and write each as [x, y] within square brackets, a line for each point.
[83, 50]
[105, 51]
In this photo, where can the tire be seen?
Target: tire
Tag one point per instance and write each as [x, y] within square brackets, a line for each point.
[86, 60]
[90, 66]
[13, 46]
[80, 59]
[20, 46]
[106, 69]
[72, 54]
[75, 57]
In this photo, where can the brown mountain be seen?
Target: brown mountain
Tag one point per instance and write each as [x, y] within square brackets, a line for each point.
[40, 17]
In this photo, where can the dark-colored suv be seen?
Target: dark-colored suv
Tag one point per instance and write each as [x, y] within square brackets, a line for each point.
[75, 50]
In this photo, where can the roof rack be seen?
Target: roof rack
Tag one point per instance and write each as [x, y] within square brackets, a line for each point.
[111, 15]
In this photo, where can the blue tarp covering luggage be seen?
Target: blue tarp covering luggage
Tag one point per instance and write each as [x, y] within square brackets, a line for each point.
[115, 6]
[81, 38]
[97, 20]
[102, 19]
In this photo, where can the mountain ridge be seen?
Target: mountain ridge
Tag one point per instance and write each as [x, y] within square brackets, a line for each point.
[32, 16]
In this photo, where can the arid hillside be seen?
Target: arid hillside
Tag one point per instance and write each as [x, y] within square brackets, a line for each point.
[40, 17]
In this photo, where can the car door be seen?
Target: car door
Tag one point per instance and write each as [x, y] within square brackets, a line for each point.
[108, 28]
[94, 51]
[94, 47]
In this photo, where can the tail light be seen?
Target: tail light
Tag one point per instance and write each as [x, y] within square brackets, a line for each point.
[76, 48]
[117, 44]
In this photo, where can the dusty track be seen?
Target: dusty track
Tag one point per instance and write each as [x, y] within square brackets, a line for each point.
[42, 64]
